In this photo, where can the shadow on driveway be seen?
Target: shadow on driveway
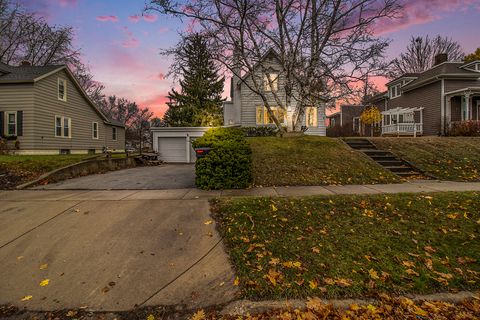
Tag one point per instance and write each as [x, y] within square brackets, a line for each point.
[168, 176]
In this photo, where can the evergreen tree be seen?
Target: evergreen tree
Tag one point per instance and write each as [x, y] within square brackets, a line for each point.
[199, 102]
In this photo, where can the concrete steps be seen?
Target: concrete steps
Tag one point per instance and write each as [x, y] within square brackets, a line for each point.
[384, 158]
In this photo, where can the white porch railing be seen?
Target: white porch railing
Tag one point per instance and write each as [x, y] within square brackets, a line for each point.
[403, 129]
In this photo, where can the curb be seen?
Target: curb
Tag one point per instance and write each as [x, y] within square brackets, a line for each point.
[244, 307]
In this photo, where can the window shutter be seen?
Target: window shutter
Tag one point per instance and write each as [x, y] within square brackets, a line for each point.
[2, 123]
[19, 123]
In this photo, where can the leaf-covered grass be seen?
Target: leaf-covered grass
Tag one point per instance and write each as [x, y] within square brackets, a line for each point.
[448, 158]
[310, 160]
[352, 246]
[21, 168]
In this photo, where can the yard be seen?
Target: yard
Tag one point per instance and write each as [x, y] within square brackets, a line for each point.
[352, 246]
[310, 160]
[16, 169]
[447, 158]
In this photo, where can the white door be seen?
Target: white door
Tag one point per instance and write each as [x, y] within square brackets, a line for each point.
[172, 149]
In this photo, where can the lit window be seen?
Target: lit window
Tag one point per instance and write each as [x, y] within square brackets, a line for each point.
[94, 130]
[11, 123]
[114, 134]
[262, 116]
[62, 89]
[311, 117]
[272, 84]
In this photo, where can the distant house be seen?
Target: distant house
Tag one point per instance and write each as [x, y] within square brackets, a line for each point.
[429, 102]
[47, 112]
[247, 108]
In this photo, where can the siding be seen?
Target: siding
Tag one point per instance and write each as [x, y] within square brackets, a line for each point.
[428, 97]
[452, 85]
[47, 106]
[19, 97]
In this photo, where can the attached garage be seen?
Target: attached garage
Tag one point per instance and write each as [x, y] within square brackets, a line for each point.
[174, 144]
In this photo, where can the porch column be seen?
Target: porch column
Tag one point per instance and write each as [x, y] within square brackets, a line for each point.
[467, 106]
[448, 113]
[421, 120]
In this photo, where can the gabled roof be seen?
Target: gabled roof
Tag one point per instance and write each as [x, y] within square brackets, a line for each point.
[442, 70]
[24, 74]
[378, 97]
[31, 74]
[269, 52]
[408, 75]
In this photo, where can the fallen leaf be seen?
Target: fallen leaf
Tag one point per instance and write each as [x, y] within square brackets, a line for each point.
[44, 266]
[26, 298]
[199, 315]
[315, 304]
[313, 284]
[44, 283]
[71, 313]
[208, 222]
[412, 272]
[150, 317]
[236, 282]
[373, 274]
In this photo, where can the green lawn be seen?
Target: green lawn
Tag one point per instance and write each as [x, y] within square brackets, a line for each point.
[312, 160]
[448, 158]
[21, 168]
[352, 246]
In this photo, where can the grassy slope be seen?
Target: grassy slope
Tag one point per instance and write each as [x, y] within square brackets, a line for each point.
[28, 167]
[348, 246]
[312, 161]
[449, 158]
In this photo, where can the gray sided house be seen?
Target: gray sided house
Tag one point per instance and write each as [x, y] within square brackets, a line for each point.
[429, 102]
[47, 112]
[247, 108]
[348, 122]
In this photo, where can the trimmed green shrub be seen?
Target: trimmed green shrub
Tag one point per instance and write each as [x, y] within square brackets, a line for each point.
[263, 131]
[228, 165]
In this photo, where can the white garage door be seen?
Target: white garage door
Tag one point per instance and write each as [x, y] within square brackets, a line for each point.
[172, 149]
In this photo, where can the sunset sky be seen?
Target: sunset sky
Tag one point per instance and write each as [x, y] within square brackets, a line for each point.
[122, 46]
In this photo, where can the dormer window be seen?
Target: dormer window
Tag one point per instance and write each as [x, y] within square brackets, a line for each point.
[270, 82]
[395, 91]
[62, 89]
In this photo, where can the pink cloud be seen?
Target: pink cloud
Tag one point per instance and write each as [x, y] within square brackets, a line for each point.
[161, 76]
[134, 18]
[107, 18]
[150, 17]
[416, 12]
[67, 3]
[157, 103]
[131, 41]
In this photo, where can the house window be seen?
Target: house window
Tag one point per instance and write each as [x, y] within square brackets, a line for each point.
[11, 123]
[94, 130]
[311, 119]
[62, 89]
[273, 86]
[63, 127]
[395, 91]
[262, 116]
[114, 134]
[356, 124]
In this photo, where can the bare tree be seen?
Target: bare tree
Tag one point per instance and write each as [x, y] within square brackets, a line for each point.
[324, 47]
[420, 54]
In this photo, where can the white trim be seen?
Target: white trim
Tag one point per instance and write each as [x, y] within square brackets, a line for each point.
[62, 127]
[398, 92]
[64, 82]
[93, 130]
[442, 107]
[7, 123]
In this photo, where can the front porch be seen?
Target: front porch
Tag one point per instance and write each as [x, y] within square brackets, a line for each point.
[402, 122]
[462, 105]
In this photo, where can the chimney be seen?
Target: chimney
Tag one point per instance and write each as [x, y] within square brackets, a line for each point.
[25, 63]
[440, 58]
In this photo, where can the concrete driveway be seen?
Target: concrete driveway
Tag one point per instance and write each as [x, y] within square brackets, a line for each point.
[167, 176]
[109, 255]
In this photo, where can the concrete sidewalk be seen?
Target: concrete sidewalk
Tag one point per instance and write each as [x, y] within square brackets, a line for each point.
[110, 255]
[195, 194]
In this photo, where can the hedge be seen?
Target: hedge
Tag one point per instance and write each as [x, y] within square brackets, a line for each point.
[229, 163]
